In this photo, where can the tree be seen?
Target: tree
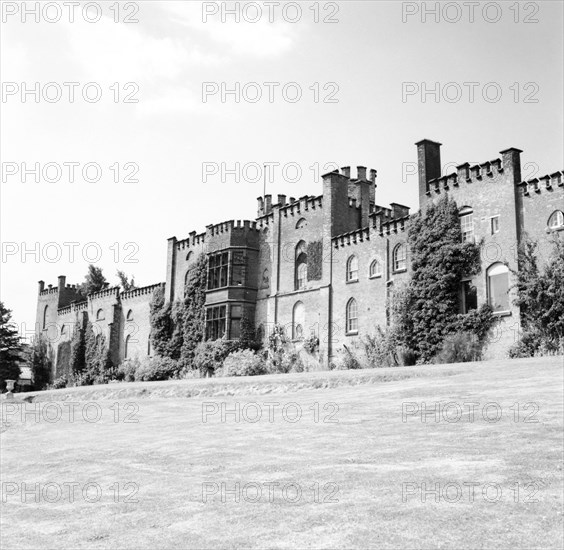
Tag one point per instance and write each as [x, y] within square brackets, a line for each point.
[194, 323]
[162, 326]
[428, 309]
[10, 348]
[125, 284]
[78, 349]
[94, 280]
[540, 298]
[40, 363]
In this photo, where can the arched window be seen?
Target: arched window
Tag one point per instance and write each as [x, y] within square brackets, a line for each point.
[45, 317]
[98, 341]
[149, 345]
[375, 268]
[352, 316]
[467, 224]
[556, 220]
[100, 315]
[498, 287]
[188, 256]
[298, 321]
[399, 258]
[63, 329]
[352, 269]
[129, 315]
[127, 346]
[300, 274]
[301, 223]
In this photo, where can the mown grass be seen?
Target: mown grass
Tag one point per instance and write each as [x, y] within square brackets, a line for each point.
[368, 454]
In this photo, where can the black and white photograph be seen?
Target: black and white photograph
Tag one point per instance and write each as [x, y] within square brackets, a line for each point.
[281, 275]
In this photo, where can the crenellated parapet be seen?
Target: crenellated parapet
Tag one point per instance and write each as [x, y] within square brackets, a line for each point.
[303, 204]
[351, 238]
[141, 291]
[104, 293]
[466, 174]
[548, 182]
[193, 241]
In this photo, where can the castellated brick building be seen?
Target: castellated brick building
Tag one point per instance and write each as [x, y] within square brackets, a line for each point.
[327, 264]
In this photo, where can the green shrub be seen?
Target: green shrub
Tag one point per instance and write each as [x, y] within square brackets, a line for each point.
[243, 363]
[157, 368]
[128, 369]
[460, 347]
[210, 355]
[347, 360]
[60, 383]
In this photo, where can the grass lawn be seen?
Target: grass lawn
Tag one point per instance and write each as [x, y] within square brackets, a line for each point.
[352, 472]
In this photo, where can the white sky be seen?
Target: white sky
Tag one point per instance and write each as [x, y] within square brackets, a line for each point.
[369, 53]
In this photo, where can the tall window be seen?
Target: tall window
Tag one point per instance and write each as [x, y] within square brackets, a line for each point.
[494, 225]
[235, 314]
[217, 270]
[45, 317]
[100, 315]
[352, 269]
[129, 315]
[127, 346]
[556, 220]
[399, 257]
[467, 224]
[498, 287]
[375, 268]
[298, 321]
[468, 297]
[352, 316]
[301, 266]
[239, 268]
[215, 322]
[301, 223]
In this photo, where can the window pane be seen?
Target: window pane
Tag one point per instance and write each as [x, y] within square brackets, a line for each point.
[499, 287]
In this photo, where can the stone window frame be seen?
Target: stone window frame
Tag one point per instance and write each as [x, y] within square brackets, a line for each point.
[300, 264]
[352, 274]
[377, 274]
[351, 315]
[502, 269]
[558, 215]
[399, 264]
[494, 225]
[129, 316]
[466, 217]
[45, 309]
[100, 315]
[301, 223]
[126, 345]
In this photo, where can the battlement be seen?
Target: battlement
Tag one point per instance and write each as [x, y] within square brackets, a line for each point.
[193, 240]
[230, 226]
[64, 310]
[141, 291]
[548, 182]
[303, 204]
[353, 237]
[50, 290]
[104, 293]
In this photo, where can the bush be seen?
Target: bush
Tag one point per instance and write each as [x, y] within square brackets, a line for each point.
[243, 363]
[128, 370]
[210, 355]
[60, 383]
[460, 347]
[346, 360]
[157, 368]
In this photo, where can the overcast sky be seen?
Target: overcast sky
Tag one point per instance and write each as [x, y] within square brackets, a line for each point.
[359, 63]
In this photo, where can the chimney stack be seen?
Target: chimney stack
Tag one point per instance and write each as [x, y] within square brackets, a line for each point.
[346, 171]
[281, 200]
[429, 165]
[41, 285]
[361, 173]
[62, 282]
